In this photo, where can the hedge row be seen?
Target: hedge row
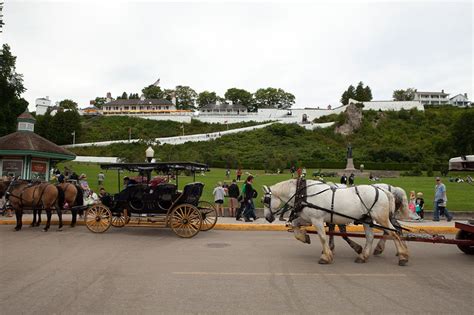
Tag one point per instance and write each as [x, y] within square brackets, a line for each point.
[341, 165]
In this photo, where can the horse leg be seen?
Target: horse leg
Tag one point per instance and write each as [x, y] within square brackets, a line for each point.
[300, 234]
[356, 247]
[19, 218]
[74, 217]
[48, 223]
[380, 245]
[369, 240]
[33, 223]
[331, 227]
[60, 216]
[402, 249]
[327, 256]
[38, 222]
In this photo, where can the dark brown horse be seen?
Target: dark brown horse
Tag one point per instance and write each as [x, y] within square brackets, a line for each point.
[22, 195]
[74, 196]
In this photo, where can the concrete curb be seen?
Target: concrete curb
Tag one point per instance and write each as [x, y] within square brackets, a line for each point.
[431, 229]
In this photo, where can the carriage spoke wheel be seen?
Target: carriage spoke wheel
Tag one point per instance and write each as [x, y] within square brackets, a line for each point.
[185, 220]
[119, 221]
[209, 215]
[98, 218]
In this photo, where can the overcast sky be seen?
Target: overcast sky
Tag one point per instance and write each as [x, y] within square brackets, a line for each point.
[80, 50]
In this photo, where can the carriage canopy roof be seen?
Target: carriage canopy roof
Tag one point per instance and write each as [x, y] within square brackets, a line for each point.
[159, 167]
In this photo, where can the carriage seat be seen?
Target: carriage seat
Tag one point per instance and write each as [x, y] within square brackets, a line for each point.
[191, 193]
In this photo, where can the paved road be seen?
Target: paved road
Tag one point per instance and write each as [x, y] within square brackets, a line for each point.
[150, 270]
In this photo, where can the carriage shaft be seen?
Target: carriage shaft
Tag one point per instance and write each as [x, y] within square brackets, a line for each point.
[431, 239]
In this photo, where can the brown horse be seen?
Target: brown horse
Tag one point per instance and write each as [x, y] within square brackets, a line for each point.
[74, 196]
[22, 194]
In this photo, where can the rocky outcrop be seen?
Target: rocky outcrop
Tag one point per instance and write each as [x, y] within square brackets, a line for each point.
[353, 120]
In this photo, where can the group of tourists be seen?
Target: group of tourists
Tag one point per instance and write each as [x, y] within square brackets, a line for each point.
[299, 172]
[241, 204]
[348, 180]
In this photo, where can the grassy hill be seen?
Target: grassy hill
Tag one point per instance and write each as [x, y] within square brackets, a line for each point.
[393, 140]
[117, 128]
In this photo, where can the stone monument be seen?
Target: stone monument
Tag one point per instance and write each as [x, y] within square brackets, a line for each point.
[350, 162]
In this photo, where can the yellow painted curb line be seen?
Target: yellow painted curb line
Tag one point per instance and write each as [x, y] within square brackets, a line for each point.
[263, 227]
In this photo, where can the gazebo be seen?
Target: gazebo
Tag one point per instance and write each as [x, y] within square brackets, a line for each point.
[27, 155]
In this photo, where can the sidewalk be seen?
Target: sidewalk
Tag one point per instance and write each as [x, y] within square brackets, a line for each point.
[227, 223]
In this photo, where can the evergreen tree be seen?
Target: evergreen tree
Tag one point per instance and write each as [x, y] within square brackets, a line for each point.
[11, 88]
[348, 94]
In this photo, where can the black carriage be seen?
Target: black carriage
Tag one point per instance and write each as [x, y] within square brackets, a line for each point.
[162, 204]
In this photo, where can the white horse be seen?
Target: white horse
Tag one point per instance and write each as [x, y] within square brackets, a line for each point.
[357, 203]
[401, 208]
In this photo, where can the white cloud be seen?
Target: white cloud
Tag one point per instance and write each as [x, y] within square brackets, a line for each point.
[81, 50]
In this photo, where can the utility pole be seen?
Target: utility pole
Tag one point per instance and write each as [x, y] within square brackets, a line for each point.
[73, 137]
[129, 134]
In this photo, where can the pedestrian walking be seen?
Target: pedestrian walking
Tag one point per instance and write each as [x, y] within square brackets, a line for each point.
[248, 194]
[233, 193]
[227, 173]
[239, 174]
[351, 179]
[219, 194]
[440, 201]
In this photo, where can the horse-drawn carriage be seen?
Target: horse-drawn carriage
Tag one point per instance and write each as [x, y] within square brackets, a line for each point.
[162, 204]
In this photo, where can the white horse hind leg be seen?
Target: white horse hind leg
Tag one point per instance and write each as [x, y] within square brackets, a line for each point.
[402, 249]
[369, 240]
[327, 255]
[300, 234]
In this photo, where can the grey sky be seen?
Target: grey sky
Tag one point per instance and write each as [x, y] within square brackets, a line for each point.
[82, 50]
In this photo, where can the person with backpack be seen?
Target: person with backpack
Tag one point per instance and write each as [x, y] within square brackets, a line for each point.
[233, 193]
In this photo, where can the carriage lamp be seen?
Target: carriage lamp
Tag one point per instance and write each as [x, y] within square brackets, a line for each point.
[149, 153]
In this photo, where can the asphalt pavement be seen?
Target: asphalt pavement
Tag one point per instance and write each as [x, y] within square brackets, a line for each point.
[151, 270]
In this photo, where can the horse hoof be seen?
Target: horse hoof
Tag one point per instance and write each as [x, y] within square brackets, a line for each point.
[17, 228]
[359, 250]
[45, 230]
[402, 262]
[377, 252]
[72, 225]
[359, 260]
[323, 261]
[60, 229]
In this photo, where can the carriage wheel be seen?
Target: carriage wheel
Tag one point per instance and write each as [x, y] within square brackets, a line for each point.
[185, 220]
[98, 218]
[209, 215]
[465, 235]
[119, 221]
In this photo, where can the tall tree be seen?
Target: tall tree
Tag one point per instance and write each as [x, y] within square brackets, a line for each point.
[68, 105]
[185, 97]
[206, 97]
[62, 125]
[367, 94]
[133, 96]
[153, 92]
[404, 95]
[99, 102]
[11, 88]
[348, 94]
[273, 98]
[124, 96]
[240, 96]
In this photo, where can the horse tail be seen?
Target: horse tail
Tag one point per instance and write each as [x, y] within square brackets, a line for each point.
[79, 196]
[404, 210]
[61, 197]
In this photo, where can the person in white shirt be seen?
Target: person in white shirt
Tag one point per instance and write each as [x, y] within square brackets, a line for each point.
[219, 194]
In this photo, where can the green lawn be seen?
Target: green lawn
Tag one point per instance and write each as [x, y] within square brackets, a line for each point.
[460, 195]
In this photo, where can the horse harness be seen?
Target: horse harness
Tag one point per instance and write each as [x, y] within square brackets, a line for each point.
[35, 184]
[301, 202]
